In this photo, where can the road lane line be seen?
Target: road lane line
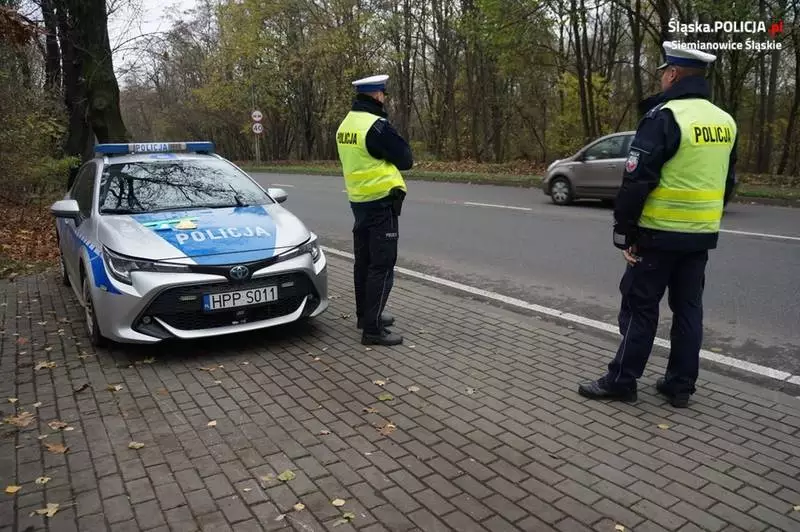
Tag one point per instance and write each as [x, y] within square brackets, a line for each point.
[282, 185]
[765, 235]
[582, 320]
[497, 206]
[731, 231]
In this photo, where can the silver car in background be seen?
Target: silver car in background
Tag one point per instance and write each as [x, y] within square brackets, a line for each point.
[594, 172]
[170, 240]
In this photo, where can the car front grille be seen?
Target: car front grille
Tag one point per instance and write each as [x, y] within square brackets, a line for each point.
[182, 307]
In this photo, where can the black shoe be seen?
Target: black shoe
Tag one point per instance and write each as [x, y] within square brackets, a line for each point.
[387, 320]
[598, 390]
[385, 337]
[676, 399]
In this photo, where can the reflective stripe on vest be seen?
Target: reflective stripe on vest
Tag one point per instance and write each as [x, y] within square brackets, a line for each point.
[691, 190]
[366, 178]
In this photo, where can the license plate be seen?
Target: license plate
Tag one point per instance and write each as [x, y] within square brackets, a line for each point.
[240, 298]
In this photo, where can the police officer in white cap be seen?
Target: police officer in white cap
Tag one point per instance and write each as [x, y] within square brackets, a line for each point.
[678, 178]
[372, 154]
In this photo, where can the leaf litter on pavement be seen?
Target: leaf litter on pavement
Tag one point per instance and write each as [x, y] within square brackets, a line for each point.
[11, 490]
[45, 364]
[287, 475]
[50, 510]
[22, 420]
[56, 448]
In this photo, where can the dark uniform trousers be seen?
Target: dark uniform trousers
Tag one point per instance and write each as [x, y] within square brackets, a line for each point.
[375, 236]
[642, 288]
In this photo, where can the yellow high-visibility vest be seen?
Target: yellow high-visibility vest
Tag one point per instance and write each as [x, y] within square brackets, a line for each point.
[366, 178]
[690, 195]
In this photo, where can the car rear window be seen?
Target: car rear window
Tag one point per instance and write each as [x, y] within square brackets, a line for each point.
[174, 184]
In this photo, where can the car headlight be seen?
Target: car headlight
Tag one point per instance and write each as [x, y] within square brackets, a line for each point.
[310, 246]
[121, 266]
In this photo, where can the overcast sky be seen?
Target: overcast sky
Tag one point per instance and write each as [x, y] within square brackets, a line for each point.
[136, 18]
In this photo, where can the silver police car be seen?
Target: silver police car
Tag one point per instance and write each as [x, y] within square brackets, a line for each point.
[170, 240]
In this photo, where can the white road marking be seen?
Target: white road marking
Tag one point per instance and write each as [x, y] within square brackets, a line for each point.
[731, 231]
[282, 185]
[497, 206]
[582, 320]
[765, 235]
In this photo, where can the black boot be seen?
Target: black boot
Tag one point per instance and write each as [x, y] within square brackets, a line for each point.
[387, 320]
[385, 337]
[600, 390]
[676, 399]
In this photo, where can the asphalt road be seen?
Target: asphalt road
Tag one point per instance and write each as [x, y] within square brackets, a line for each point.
[515, 242]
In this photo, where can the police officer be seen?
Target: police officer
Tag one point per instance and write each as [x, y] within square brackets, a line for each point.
[372, 154]
[678, 177]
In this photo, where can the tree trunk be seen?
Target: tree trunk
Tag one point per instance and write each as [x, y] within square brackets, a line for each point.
[579, 67]
[635, 21]
[792, 121]
[52, 60]
[589, 82]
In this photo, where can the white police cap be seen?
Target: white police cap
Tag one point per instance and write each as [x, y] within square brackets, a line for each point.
[372, 83]
[680, 56]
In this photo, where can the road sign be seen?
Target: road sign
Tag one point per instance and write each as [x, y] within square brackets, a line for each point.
[256, 116]
[258, 128]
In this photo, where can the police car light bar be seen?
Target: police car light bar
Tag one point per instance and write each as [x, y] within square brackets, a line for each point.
[155, 147]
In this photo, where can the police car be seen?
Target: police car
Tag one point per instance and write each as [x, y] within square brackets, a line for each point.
[170, 240]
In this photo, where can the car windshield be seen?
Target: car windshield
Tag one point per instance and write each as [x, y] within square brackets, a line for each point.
[164, 185]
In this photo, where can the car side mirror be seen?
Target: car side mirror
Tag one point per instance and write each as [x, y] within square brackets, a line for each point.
[67, 208]
[278, 194]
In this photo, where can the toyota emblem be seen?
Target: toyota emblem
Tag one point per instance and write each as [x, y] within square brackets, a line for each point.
[239, 273]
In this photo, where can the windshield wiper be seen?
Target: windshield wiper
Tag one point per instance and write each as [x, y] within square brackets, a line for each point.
[121, 210]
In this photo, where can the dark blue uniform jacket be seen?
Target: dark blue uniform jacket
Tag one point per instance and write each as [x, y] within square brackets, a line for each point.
[657, 140]
[383, 141]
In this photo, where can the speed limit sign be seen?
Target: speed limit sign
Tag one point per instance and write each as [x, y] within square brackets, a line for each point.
[257, 116]
[258, 128]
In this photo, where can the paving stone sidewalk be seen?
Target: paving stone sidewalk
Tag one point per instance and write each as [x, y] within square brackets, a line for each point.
[473, 424]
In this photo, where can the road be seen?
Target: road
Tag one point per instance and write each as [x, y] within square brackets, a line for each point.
[515, 242]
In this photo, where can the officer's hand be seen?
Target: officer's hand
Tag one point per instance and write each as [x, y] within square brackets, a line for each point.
[630, 255]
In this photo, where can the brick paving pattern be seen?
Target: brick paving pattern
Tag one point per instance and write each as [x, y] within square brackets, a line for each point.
[495, 438]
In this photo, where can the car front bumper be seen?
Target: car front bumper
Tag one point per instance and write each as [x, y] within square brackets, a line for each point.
[158, 306]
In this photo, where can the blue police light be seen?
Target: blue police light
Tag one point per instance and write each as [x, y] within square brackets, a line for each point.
[155, 147]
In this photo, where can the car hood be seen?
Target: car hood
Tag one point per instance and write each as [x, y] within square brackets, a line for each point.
[204, 236]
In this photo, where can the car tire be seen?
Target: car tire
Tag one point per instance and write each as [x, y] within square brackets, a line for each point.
[64, 273]
[561, 191]
[92, 328]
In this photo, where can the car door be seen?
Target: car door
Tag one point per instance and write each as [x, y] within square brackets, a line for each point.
[82, 192]
[602, 166]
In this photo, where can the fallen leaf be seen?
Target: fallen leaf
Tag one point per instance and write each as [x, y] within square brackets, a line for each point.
[338, 502]
[114, 387]
[217, 382]
[11, 490]
[163, 391]
[368, 349]
[206, 369]
[797, 508]
[412, 346]
[344, 316]
[346, 518]
[81, 388]
[42, 323]
[716, 349]
[148, 360]
[41, 436]
[385, 396]
[286, 476]
[281, 517]
[37, 404]
[324, 432]
[22, 420]
[663, 426]
[56, 448]
[212, 423]
[49, 511]
[45, 364]
[67, 429]
[247, 490]
[57, 425]
[317, 359]
[267, 479]
[43, 480]
[413, 389]
[245, 363]
[379, 382]
[620, 528]
[135, 445]
[370, 410]
[388, 428]
[299, 507]
[470, 391]
[12, 400]
[48, 349]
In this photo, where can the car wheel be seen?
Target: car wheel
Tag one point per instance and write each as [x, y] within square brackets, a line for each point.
[561, 191]
[92, 328]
